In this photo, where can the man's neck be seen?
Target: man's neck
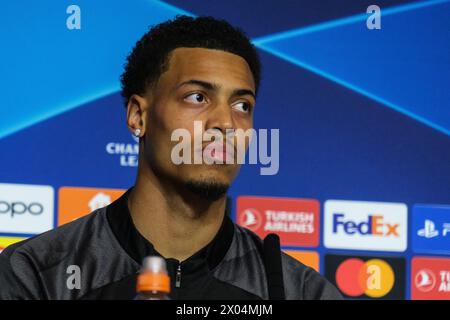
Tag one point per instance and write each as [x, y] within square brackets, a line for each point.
[177, 226]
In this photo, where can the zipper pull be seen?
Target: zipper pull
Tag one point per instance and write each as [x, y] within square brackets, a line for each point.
[178, 277]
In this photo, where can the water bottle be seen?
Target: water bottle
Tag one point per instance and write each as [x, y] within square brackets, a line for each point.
[153, 282]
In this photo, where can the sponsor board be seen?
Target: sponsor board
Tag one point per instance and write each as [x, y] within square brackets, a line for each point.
[367, 277]
[75, 202]
[431, 229]
[308, 258]
[430, 278]
[296, 221]
[362, 225]
[26, 209]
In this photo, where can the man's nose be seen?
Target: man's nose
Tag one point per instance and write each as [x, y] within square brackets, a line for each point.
[220, 118]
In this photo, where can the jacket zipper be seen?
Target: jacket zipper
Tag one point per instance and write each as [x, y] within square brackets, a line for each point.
[178, 277]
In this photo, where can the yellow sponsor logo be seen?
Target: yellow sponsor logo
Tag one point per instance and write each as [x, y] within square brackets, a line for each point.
[7, 241]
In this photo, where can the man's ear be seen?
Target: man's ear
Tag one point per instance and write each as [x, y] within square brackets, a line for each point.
[137, 109]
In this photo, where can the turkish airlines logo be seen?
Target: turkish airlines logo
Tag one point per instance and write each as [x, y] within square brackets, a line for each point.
[26, 209]
[425, 280]
[251, 219]
[430, 278]
[296, 221]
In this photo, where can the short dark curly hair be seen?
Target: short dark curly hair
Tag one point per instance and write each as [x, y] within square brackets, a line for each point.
[148, 59]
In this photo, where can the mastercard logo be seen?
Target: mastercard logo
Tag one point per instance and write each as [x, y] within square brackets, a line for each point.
[374, 278]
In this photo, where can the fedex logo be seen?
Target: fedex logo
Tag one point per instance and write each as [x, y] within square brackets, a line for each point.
[364, 225]
[374, 225]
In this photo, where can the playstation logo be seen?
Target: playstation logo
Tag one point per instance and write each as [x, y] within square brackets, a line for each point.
[446, 229]
[429, 230]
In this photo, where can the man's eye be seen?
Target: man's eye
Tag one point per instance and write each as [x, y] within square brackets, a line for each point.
[242, 106]
[195, 98]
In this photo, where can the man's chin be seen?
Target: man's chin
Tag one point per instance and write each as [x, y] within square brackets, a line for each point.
[208, 189]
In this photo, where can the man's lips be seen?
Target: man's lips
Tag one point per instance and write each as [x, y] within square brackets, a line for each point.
[221, 152]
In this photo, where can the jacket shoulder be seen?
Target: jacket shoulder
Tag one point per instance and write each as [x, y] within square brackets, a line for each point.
[29, 267]
[48, 247]
[303, 282]
[300, 281]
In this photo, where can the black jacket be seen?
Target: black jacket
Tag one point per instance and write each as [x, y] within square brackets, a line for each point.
[108, 250]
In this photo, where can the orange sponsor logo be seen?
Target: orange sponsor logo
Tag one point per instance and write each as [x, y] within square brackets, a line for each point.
[308, 258]
[75, 203]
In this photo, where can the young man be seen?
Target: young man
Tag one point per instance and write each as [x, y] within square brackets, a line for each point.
[181, 71]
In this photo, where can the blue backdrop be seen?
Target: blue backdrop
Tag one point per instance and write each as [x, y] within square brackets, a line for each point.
[363, 114]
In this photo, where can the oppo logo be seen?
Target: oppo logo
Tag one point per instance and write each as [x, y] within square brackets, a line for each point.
[26, 209]
[19, 208]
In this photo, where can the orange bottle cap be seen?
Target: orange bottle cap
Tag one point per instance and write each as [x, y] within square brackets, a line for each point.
[149, 281]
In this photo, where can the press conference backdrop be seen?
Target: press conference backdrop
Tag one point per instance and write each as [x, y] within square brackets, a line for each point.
[362, 104]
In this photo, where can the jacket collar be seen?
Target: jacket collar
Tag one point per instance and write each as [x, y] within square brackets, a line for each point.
[138, 247]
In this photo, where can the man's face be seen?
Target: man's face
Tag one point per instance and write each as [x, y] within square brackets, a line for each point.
[211, 86]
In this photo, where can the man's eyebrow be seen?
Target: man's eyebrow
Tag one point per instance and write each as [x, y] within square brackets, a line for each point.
[243, 92]
[201, 83]
[212, 86]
